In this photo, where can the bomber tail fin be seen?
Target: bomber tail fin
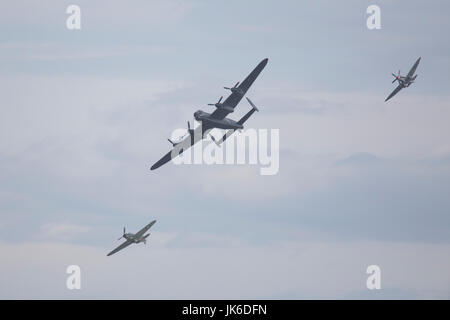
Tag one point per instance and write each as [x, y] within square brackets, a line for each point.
[252, 104]
[241, 122]
[248, 114]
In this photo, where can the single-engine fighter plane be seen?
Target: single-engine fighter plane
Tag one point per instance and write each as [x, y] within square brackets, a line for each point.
[133, 238]
[216, 119]
[404, 82]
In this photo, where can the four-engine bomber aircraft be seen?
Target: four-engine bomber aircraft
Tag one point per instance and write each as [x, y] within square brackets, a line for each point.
[216, 119]
[133, 238]
[404, 82]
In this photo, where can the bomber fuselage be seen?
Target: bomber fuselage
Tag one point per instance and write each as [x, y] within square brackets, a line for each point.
[225, 123]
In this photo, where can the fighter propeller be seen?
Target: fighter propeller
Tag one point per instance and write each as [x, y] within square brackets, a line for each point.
[123, 235]
[397, 77]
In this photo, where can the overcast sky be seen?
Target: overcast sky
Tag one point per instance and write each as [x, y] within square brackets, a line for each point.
[85, 113]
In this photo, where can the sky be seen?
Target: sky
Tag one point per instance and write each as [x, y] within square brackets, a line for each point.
[85, 113]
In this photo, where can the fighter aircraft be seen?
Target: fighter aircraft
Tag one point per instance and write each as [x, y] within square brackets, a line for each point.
[133, 238]
[216, 119]
[404, 82]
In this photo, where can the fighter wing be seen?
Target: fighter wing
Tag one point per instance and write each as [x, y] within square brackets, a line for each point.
[413, 69]
[399, 87]
[123, 245]
[234, 98]
[141, 232]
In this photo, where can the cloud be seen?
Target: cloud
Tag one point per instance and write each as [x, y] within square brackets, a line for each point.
[50, 52]
[51, 13]
[360, 158]
[61, 231]
[295, 270]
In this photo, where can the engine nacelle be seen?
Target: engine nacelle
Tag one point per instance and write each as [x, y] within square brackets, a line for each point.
[202, 116]
[223, 124]
[235, 89]
[224, 108]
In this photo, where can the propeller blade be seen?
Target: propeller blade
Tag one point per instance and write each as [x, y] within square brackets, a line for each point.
[189, 126]
[235, 86]
[218, 102]
[396, 76]
[122, 234]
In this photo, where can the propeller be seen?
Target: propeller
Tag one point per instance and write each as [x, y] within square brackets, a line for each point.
[122, 234]
[396, 76]
[190, 131]
[215, 104]
[233, 87]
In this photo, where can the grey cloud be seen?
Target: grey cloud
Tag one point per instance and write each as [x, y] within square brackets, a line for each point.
[297, 270]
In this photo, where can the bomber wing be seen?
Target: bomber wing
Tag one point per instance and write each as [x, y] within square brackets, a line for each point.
[167, 157]
[123, 245]
[180, 147]
[396, 90]
[234, 98]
